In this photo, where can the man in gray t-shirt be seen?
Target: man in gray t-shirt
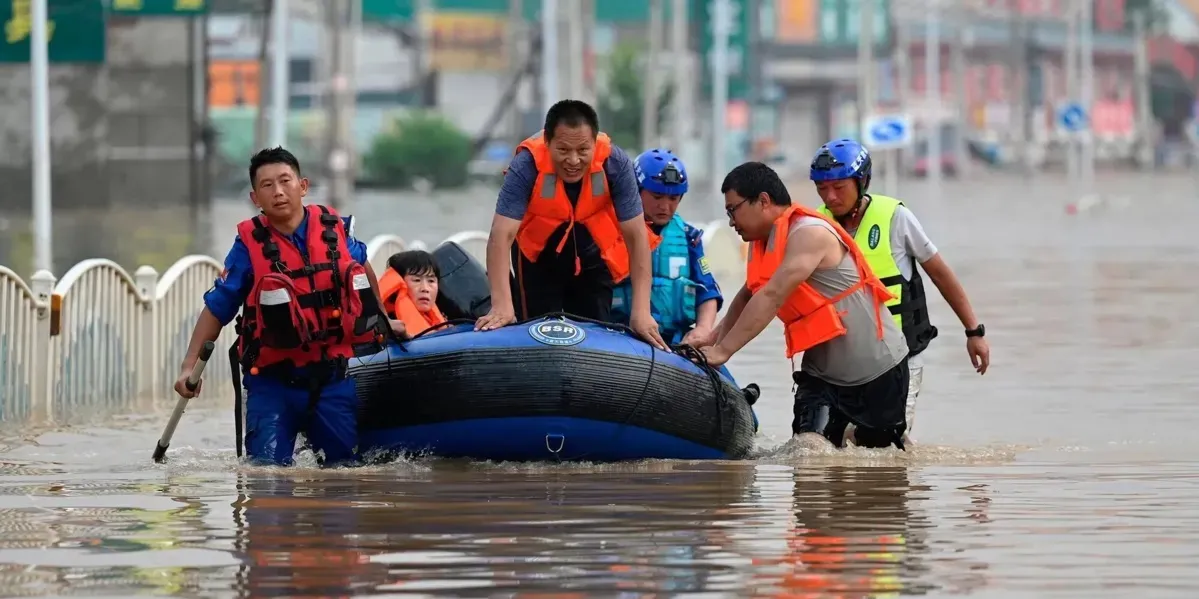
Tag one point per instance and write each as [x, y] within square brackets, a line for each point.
[807, 271]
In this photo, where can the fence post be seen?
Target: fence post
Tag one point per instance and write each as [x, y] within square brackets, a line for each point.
[42, 285]
[146, 279]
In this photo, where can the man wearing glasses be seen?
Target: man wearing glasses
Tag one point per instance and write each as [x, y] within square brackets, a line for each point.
[805, 269]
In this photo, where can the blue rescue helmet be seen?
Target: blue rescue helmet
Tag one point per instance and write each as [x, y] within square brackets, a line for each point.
[842, 159]
[660, 171]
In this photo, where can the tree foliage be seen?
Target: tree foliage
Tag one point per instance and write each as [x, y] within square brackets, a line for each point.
[1157, 18]
[420, 146]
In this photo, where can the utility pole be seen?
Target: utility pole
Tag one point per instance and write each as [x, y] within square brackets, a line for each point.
[549, 55]
[1072, 86]
[932, 65]
[903, 78]
[280, 73]
[39, 100]
[680, 97]
[1144, 110]
[721, 12]
[866, 93]
[1016, 116]
[424, 64]
[264, 76]
[650, 90]
[345, 21]
[574, 34]
[957, 58]
[1087, 97]
[516, 64]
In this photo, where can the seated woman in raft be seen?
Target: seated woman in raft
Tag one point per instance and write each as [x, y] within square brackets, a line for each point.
[409, 290]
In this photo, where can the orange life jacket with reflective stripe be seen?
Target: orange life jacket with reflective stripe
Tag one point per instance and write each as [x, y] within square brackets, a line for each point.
[809, 318]
[550, 208]
[399, 305]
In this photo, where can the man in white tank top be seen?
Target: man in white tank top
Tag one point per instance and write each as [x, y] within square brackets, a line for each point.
[859, 376]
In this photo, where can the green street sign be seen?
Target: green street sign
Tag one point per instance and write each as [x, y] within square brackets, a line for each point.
[75, 29]
[738, 46]
[159, 8]
[388, 10]
[841, 20]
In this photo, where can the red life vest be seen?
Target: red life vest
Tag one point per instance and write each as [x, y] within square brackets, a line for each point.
[305, 308]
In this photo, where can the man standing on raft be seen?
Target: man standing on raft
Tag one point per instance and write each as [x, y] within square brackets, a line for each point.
[568, 185]
[805, 269]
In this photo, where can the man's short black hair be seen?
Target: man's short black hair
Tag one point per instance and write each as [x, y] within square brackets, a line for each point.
[751, 179]
[414, 262]
[275, 155]
[571, 113]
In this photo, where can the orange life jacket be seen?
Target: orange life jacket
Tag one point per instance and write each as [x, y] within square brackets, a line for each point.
[809, 318]
[399, 305]
[655, 239]
[549, 209]
[304, 308]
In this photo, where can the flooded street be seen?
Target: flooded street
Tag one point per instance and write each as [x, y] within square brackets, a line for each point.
[1069, 470]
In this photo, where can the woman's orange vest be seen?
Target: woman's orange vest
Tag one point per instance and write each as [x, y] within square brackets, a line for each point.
[809, 318]
[399, 305]
[549, 209]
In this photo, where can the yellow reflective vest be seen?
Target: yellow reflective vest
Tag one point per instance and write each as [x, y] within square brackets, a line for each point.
[910, 308]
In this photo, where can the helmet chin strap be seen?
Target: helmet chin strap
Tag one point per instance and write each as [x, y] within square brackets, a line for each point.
[858, 206]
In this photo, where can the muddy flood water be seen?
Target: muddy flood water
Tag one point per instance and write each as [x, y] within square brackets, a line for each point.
[1070, 470]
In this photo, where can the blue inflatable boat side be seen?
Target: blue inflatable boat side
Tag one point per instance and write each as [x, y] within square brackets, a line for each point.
[552, 388]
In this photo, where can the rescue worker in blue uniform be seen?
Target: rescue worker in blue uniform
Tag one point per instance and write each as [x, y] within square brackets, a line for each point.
[307, 295]
[684, 298]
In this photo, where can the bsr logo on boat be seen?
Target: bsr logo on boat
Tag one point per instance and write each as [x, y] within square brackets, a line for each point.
[557, 333]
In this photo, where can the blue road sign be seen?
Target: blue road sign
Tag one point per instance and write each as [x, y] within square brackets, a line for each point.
[1073, 117]
[887, 131]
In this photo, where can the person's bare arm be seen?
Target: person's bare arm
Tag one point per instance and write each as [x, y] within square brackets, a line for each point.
[499, 265]
[640, 273]
[705, 315]
[951, 289]
[208, 328]
[735, 309]
[807, 247]
[499, 259]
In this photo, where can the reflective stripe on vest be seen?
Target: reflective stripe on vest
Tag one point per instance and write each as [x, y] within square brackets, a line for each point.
[549, 186]
[909, 307]
[672, 296]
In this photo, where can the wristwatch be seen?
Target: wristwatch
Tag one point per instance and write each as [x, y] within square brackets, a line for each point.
[979, 331]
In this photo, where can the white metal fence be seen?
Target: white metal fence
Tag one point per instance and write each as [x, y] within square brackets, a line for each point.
[101, 341]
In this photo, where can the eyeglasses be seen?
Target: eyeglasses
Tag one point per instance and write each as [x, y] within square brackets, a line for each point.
[730, 211]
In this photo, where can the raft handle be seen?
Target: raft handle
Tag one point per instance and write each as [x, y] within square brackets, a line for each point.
[561, 443]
